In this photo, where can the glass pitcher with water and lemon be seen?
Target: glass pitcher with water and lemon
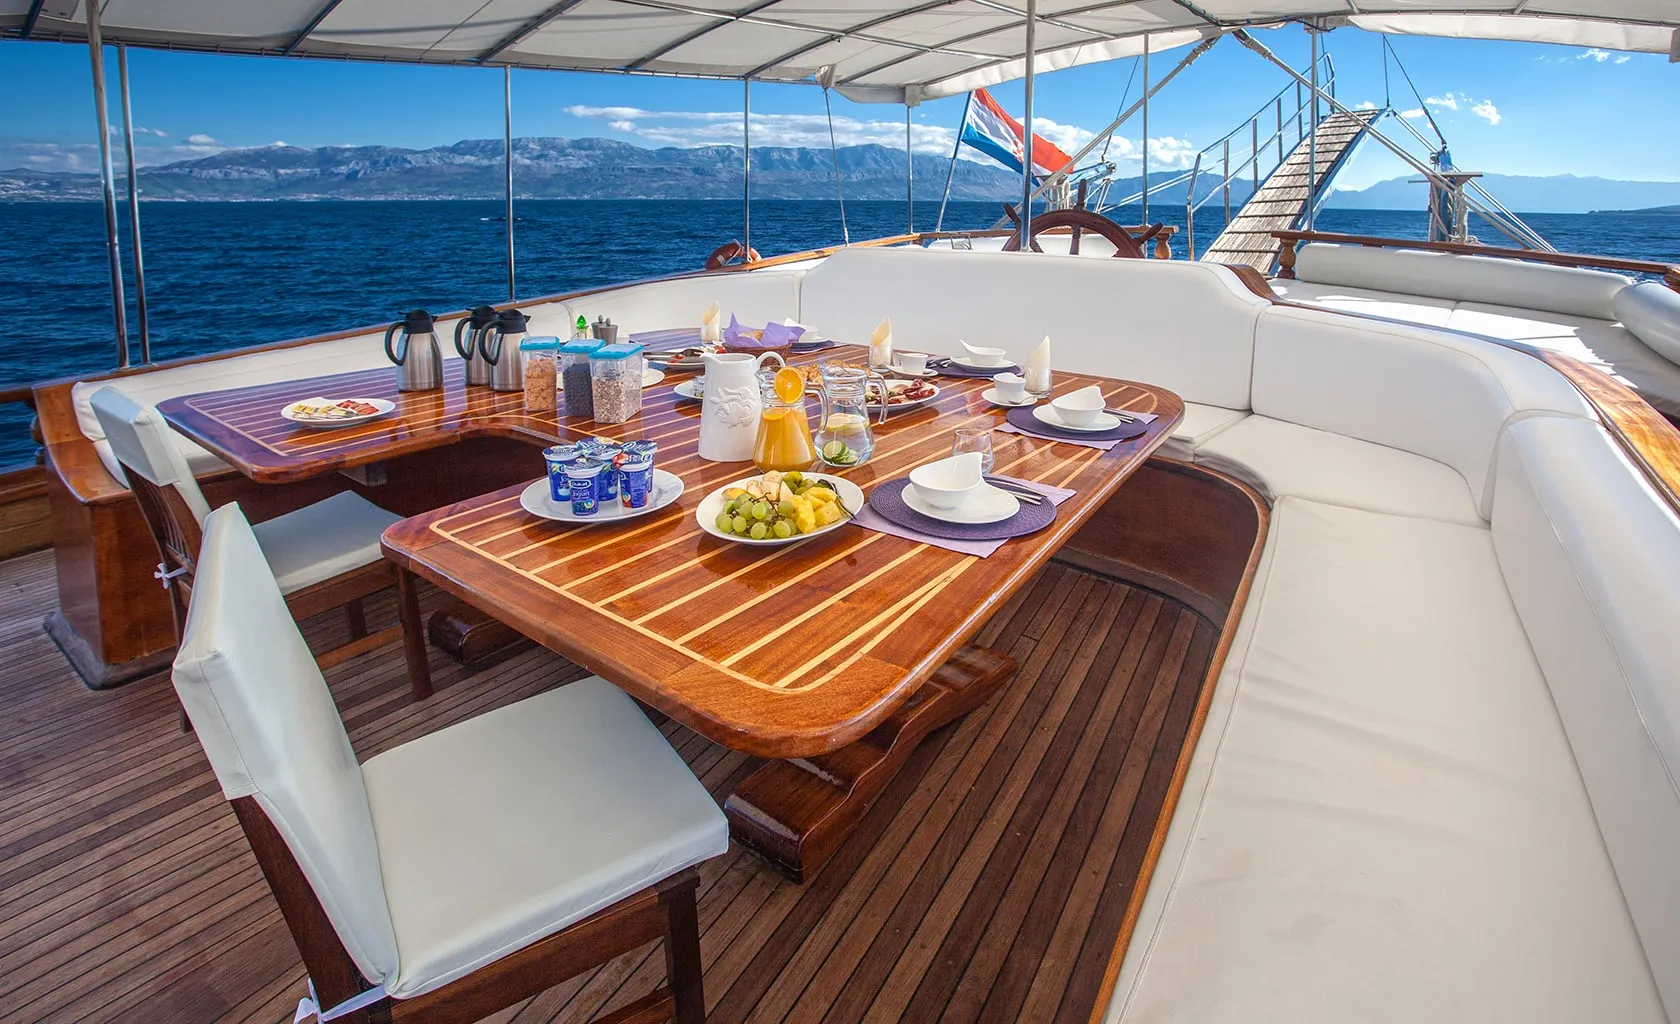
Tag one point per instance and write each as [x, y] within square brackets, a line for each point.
[843, 437]
[784, 427]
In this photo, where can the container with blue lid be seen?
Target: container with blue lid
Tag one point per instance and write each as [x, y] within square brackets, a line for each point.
[575, 388]
[615, 373]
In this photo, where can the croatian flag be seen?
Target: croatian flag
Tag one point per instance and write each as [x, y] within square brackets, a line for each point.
[989, 128]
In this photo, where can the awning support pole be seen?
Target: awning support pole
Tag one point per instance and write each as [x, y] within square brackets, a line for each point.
[909, 177]
[507, 165]
[746, 164]
[1027, 129]
[134, 210]
[107, 181]
[1145, 154]
[951, 171]
[1312, 140]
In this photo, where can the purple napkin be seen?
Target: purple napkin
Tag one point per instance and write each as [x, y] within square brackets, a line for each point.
[777, 335]
[871, 519]
[732, 333]
[1022, 421]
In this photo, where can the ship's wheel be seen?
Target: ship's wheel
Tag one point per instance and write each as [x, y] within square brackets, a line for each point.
[1080, 221]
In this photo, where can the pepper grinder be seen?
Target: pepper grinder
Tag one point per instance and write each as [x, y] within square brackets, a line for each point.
[605, 330]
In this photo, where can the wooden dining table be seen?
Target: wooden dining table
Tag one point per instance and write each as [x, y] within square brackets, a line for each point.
[832, 657]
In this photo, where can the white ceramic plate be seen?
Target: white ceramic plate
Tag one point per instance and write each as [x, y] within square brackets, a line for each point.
[851, 498]
[650, 377]
[898, 371]
[692, 389]
[383, 405]
[971, 363]
[991, 395]
[984, 504]
[1047, 413]
[538, 500]
[873, 404]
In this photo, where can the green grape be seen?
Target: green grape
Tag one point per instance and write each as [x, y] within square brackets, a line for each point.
[786, 508]
[725, 522]
[783, 529]
[792, 478]
[740, 523]
[760, 531]
[761, 510]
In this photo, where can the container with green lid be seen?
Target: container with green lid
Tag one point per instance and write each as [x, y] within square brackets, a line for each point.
[615, 373]
[574, 376]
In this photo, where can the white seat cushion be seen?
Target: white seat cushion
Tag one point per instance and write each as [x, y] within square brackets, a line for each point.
[1199, 425]
[1281, 459]
[1382, 820]
[323, 540]
[1652, 312]
[510, 826]
[1417, 309]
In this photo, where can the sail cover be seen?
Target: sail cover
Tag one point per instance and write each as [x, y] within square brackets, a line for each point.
[900, 51]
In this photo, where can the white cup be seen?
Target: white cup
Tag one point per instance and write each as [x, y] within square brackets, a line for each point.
[1011, 387]
[911, 362]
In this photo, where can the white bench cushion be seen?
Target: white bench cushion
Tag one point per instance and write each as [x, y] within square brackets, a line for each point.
[1652, 312]
[1589, 552]
[1199, 426]
[510, 826]
[1417, 309]
[1382, 819]
[755, 298]
[1188, 327]
[1281, 459]
[323, 540]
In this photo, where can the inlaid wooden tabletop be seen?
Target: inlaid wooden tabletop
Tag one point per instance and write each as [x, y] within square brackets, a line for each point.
[781, 652]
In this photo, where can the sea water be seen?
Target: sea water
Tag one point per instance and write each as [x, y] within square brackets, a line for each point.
[224, 275]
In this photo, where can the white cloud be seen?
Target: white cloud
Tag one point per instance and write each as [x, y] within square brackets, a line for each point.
[1365, 105]
[1487, 111]
[1623, 59]
[150, 131]
[1447, 102]
[1594, 55]
[1412, 114]
[200, 140]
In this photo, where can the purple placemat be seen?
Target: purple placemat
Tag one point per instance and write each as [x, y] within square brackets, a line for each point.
[947, 368]
[1023, 420]
[888, 500]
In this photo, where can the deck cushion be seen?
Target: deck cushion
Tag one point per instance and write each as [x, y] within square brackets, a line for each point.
[1652, 312]
[1281, 459]
[1383, 819]
[1589, 551]
[1417, 309]
[1201, 423]
[1188, 327]
[323, 540]
[512, 825]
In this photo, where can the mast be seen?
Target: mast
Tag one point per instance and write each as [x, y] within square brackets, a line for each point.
[108, 184]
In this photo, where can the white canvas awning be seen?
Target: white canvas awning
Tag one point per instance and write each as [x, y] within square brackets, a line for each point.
[882, 50]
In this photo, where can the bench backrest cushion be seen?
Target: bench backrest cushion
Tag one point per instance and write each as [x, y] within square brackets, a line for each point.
[1651, 312]
[1434, 393]
[753, 297]
[1591, 555]
[1490, 279]
[1185, 326]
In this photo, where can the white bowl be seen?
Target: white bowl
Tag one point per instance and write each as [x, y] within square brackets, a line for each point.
[944, 484]
[1080, 408]
[984, 356]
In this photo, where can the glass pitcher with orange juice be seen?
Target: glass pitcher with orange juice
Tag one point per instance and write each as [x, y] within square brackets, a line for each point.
[784, 427]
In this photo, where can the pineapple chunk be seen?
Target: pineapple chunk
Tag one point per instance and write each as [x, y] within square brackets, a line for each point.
[731, 493]
[822, 495]
[828, 513]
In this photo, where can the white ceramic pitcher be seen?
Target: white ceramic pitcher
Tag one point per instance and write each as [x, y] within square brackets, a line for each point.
[730, 405]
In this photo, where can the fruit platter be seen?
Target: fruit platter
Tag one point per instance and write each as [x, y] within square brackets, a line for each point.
[321, 412]
[779, 508]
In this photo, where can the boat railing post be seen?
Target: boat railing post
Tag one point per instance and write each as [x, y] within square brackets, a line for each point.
[909, 177]
[1254, 151]
[108, 184]
[1312, 140]
[1145, 153]
[1027, 129]
[1190, 208]
[134, 210]
[1280, 131]
[507, 165]
[1227, 181]
[746, 165]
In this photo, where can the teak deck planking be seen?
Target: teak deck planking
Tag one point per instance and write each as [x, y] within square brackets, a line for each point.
[988, 883]
[780, 652]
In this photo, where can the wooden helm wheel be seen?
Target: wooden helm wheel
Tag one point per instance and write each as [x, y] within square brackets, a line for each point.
[729, 254]
[1080, 221]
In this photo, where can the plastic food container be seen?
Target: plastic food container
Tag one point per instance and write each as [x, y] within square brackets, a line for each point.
[538, 355]
[616, 375]
[575, 384]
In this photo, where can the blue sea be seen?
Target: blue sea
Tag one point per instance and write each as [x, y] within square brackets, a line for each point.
[223, 275]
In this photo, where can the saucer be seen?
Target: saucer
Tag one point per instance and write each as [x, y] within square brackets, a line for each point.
[693, 389]
[985, 504]
[898, 371]
[1048, 414]
[970, 363]
[991, 395]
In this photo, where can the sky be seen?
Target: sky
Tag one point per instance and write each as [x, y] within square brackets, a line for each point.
[1507, 108]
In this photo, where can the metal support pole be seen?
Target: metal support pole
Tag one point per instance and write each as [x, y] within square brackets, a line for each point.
[134, 209]
[1027, 129]
[107, 180]
[909, 177]
[746, 164]
[834, 151]
[1146, 128]
[951, 171]
[507, 165]
[1280, 131]
[1254, 151]
[1312, 140]
[1227, 181]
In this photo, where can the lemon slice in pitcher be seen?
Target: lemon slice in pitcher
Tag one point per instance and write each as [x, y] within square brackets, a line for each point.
[789, 384]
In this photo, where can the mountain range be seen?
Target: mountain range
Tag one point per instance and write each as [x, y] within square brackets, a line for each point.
[1562, 193]
[545, 168]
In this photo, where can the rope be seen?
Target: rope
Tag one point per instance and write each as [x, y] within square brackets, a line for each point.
[1124, 96]
[1415, 94]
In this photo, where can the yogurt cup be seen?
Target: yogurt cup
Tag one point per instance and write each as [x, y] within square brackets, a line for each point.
[635, 481]
[606, 486]
[582, 478]
[558, 457]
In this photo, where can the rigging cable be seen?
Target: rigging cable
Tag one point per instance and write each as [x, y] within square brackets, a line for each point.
[825, 78]
[1421, 105]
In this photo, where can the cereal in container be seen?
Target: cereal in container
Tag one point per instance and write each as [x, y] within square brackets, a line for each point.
[575, 384]
[616, 375]
[538, 355]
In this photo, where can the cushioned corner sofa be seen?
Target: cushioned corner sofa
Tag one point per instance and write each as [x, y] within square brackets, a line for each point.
[1629, 330]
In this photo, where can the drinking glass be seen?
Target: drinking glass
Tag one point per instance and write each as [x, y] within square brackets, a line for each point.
[975, 439]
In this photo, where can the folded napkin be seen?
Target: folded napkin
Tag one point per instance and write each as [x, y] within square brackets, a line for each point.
[710, 327]
[1038, 368]
[880, 344]
[1141, 417]
[870, 519]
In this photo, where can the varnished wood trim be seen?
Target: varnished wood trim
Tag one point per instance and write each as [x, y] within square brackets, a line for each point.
[1669, 272]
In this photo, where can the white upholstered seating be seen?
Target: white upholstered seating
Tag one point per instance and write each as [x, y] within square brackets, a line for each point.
[447, 853]
[303, 547]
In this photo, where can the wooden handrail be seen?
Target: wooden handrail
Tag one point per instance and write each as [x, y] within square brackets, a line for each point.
[22, 394]
[1669, 273]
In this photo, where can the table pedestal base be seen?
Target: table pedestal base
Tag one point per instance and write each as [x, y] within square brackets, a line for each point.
[796, 813]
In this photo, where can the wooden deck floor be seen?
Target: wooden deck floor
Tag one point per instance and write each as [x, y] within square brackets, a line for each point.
[987, 884]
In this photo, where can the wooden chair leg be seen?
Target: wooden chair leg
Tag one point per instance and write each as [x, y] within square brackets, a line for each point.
[682, 954]
[186, 723]
[356, 616]
[414, 635]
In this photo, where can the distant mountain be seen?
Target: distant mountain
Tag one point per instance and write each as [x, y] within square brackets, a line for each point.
[1563, 193]
[1669, 211]
[543, 168]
